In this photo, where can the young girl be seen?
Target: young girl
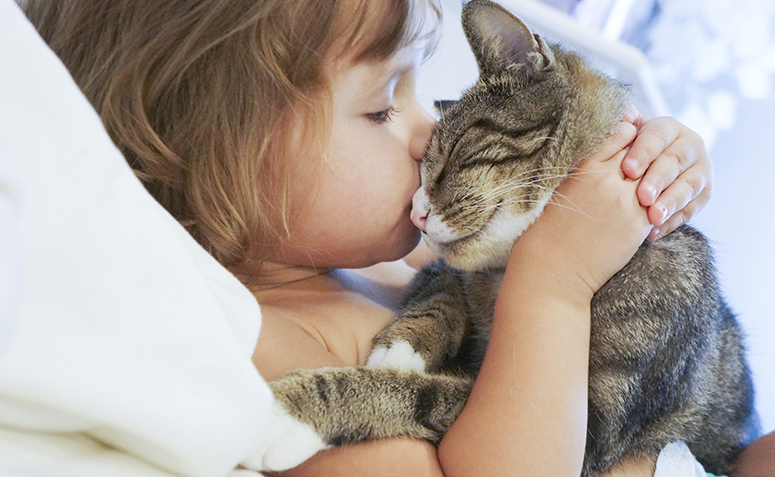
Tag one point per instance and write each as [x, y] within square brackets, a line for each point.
[285, 136]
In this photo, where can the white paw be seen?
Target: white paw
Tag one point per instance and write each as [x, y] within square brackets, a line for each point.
[292, 443]
[400, 355]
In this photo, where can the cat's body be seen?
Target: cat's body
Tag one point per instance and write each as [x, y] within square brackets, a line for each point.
[666, 356]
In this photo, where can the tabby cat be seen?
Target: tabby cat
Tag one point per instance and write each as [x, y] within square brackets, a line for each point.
[666, 358]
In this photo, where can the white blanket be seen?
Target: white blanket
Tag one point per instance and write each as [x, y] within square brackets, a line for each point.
[124, 347]
[676, 460]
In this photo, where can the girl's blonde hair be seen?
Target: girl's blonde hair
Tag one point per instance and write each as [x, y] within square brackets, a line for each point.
[205, 98]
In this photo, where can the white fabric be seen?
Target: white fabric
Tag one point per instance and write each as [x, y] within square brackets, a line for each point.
[676, 460]
[115, 326]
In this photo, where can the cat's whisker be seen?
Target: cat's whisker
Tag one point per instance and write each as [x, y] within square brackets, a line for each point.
[507, 188]
[583, 173]
[568, 205]
[512, 202]
[524, 180]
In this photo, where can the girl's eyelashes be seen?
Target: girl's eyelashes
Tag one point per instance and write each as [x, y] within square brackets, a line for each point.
[381, 117]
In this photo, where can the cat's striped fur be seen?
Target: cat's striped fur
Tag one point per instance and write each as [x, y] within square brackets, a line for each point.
[666, 359]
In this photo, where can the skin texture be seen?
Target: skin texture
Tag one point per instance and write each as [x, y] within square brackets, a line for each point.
[379, 130]
[757, 459]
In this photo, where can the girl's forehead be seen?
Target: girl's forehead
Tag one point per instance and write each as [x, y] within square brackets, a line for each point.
[380, 71]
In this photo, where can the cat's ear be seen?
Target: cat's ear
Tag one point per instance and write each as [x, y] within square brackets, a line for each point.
[443, 105]
[501, 41]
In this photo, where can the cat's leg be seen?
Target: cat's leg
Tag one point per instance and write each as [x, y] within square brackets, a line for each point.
[330, 407]
[431, 327]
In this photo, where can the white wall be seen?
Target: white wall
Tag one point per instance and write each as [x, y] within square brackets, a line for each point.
[740, 219]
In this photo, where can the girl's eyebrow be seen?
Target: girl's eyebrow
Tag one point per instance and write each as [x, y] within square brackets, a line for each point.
[376, 76]
[380, 78]
[379, 89]
[401, 62]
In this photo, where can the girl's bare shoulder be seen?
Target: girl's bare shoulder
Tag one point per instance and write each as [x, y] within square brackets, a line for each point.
[284, 345]
[330, 321]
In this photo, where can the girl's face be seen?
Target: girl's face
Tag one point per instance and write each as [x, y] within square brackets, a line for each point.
[356, 204]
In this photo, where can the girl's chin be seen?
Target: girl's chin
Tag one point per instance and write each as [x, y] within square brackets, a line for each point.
[390, 251]
[356, 254]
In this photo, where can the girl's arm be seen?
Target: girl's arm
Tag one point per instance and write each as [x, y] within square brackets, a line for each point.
[405, 458]
[383, 458]
[527, 412]
[757, 459]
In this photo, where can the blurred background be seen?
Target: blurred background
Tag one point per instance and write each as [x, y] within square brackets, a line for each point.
[709, 63]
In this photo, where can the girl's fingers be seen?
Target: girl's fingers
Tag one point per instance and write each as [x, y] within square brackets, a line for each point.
[678, 165]
[675, 172]
[632, 116]
[654, 136]
[695, 183]
[679, 218]
[621, 137]
[673, 166]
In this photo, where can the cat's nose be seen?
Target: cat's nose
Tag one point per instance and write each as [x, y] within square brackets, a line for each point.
[419, 219]
[419, 213]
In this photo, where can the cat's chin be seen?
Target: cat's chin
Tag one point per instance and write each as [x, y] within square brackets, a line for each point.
[464, 262]
[472, 253]
[489, 248]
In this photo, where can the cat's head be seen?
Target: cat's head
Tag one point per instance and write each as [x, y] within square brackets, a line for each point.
[499, 152]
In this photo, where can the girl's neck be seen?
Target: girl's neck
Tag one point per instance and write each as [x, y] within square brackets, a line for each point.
[281, 283]
[275, 280]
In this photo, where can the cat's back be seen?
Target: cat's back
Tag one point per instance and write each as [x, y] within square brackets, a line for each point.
[667, 294]
[678, 265]
[663, 323]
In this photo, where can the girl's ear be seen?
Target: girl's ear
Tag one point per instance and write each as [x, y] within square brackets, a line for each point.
[501, 41]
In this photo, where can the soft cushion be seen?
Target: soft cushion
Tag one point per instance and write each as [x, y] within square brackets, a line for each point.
[116, 327]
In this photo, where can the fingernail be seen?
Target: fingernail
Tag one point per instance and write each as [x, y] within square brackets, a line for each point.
[651, 189]
[655, 234]
[631, 164]
[663, 213]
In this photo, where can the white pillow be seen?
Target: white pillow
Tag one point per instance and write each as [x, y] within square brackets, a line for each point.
[115, 323]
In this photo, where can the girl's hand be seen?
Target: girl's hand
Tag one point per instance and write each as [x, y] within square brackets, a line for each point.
[594, 223]
[674, 168]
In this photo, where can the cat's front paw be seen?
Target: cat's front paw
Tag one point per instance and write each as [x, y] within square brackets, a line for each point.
[400, 355]
[292, 443]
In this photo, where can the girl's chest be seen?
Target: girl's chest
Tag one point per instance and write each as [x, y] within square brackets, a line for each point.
[346, 327]
[317, 335]
[331, 326]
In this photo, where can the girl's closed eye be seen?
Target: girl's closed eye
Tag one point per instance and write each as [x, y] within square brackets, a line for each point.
[381, 117]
